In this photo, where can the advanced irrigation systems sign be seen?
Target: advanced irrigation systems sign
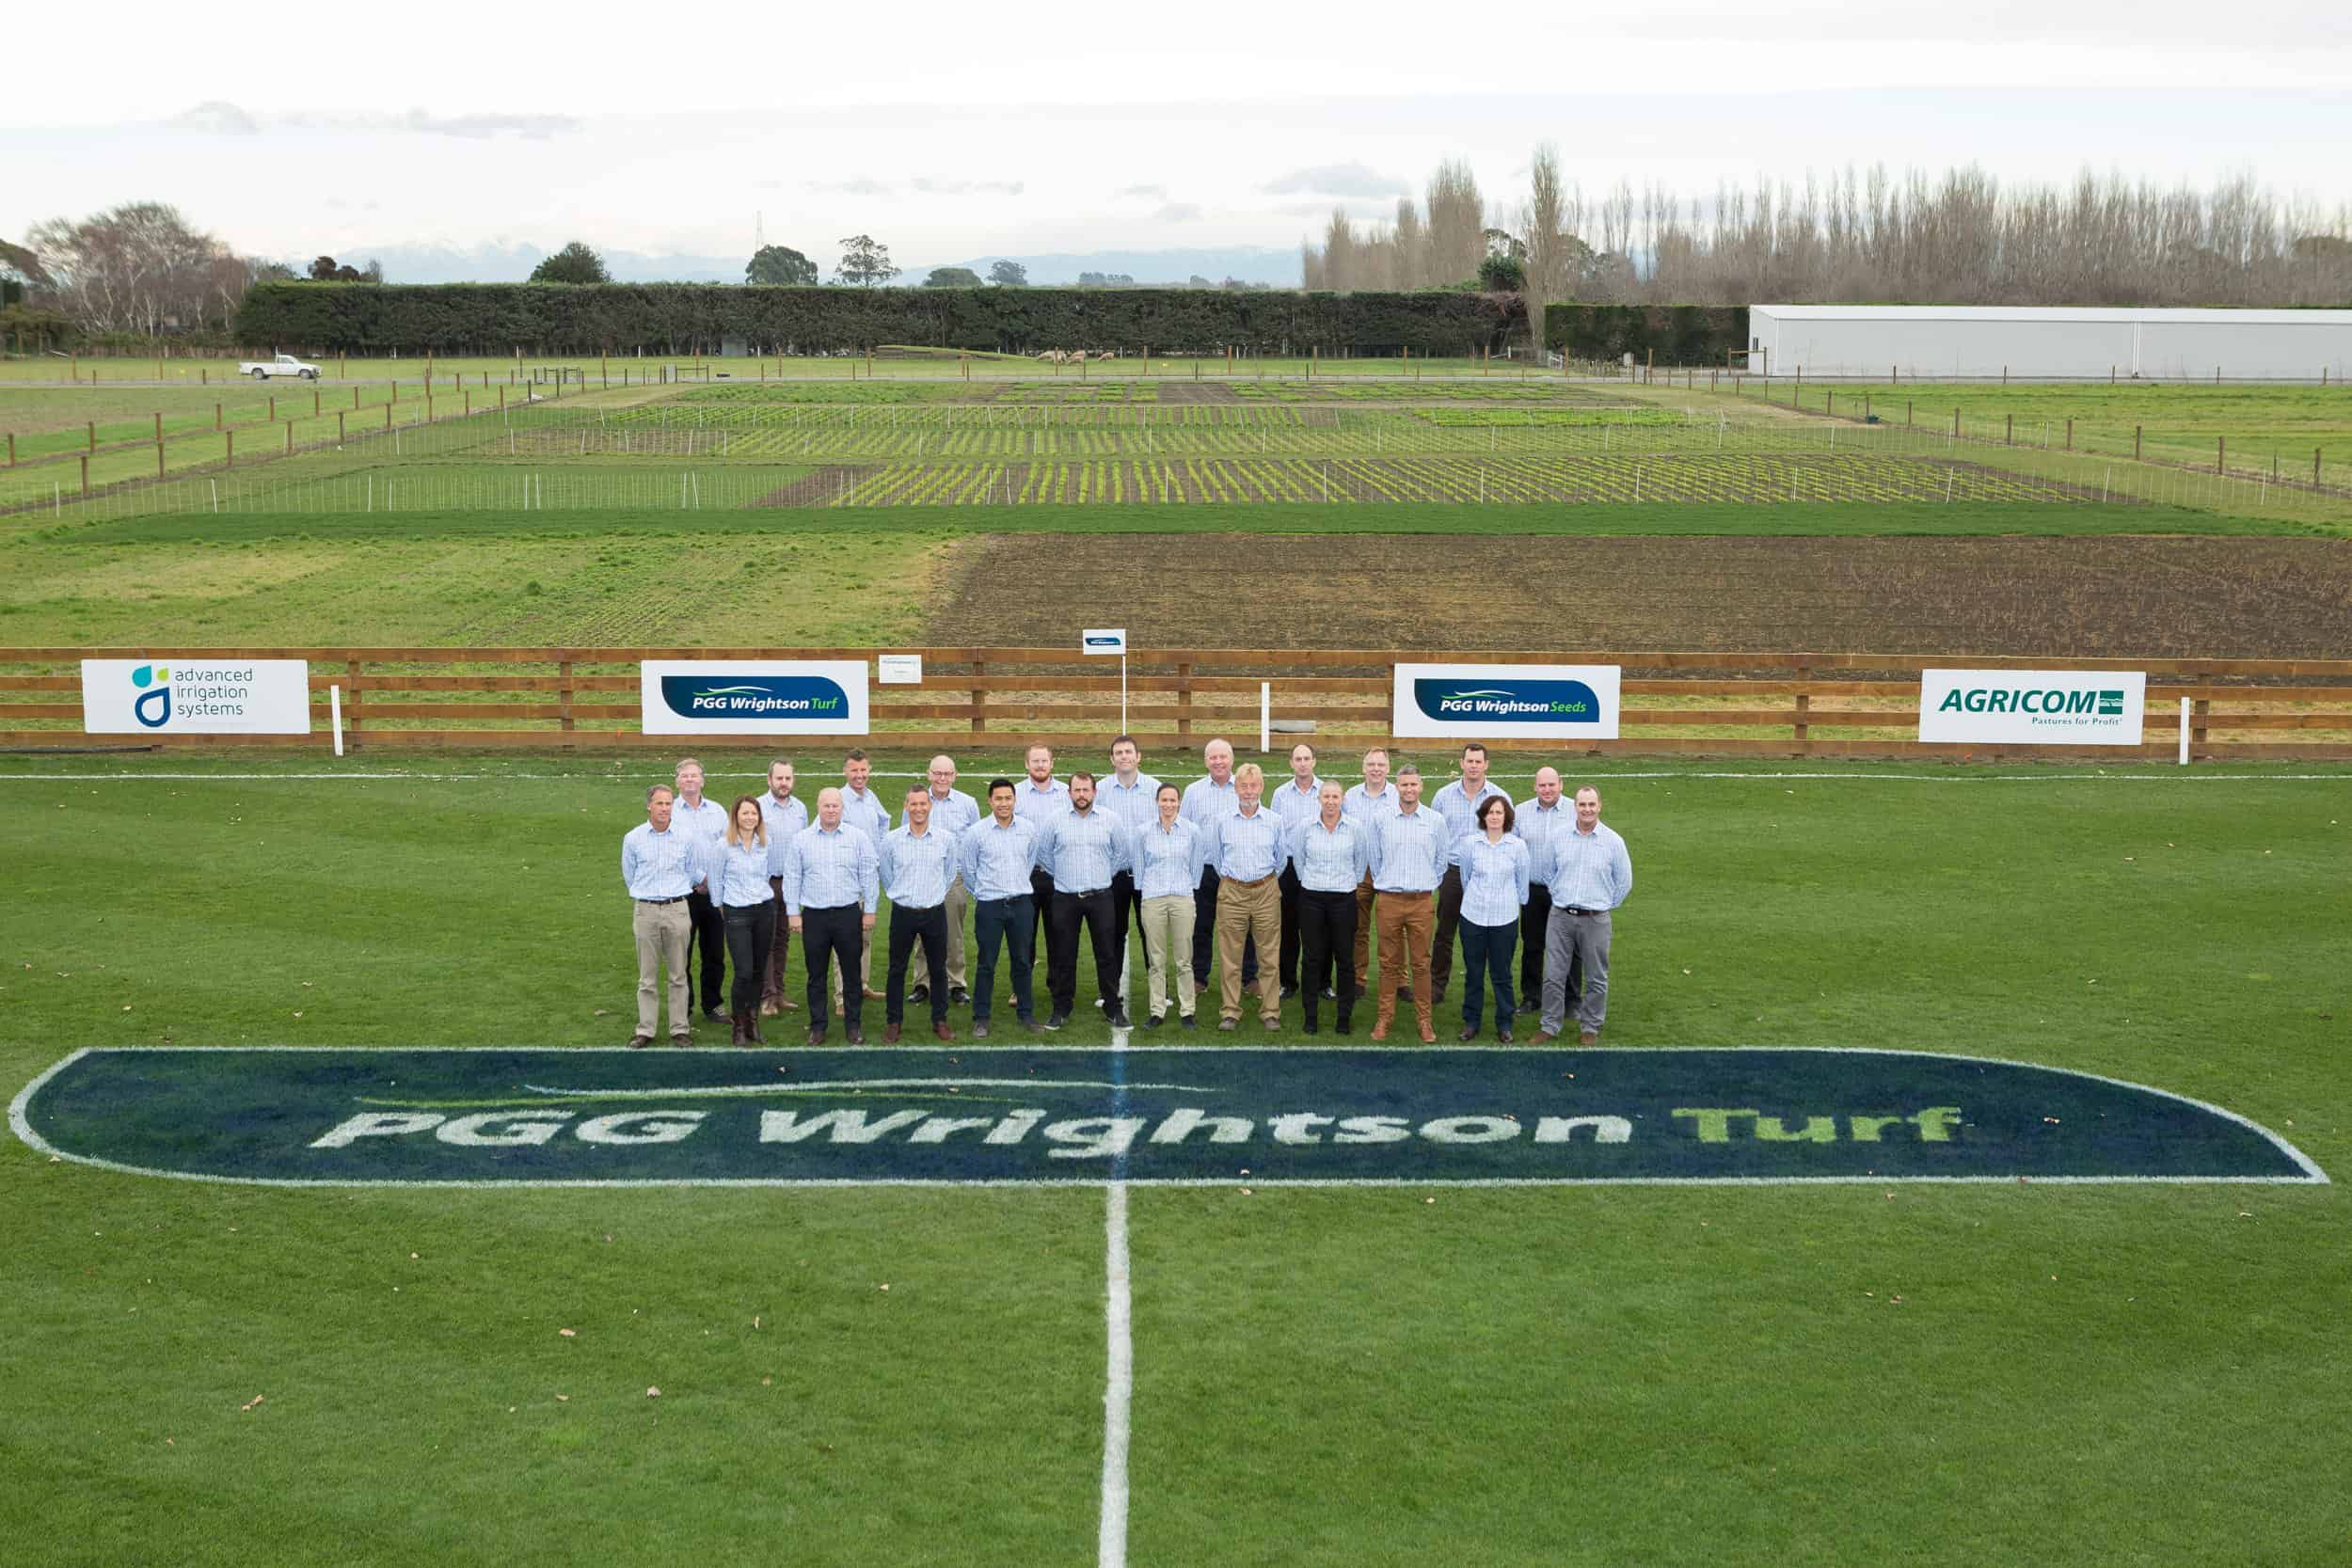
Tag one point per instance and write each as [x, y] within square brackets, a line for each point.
[1539, 701]
[691, 696]
[2033, 708]
[180, 696]
[1042, 1115]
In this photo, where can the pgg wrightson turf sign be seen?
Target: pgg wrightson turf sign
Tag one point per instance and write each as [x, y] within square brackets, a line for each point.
[1042, 1115]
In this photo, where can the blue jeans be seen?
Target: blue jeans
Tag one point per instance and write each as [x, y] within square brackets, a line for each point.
[1013, 922]
[1487, 953]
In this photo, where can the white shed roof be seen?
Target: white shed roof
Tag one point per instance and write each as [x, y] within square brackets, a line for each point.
[2056, 313]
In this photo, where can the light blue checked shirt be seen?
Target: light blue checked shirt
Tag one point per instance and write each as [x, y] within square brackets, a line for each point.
[661, 866]
[1409, 852]
[1168, 861]
[1294, 807]
[783, 817]
[739, 873]
[1362, 805]
[829, 870]
[1205, 800]
[1033, 804]
[864, 813]
[996, 861]
[916, 869]
[1136, 807]
[707, 824]
[1330, 860]
[1494, 878]
[1460, 811]
[1590, 871]
[1246, 848]
[1082, 850]
[955, 813]
[1539, 825]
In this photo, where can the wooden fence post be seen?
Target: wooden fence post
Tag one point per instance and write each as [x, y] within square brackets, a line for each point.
[93, 434]
[1804, 706]
[228, 447]
[2199, 716]
[2070, 435]
[2220, 449]
[159, 460]
[979, 695]
[2135, 443]
[564, 695]
[2009, 432]
[1183, 700]
[86, 473]
[351, 709]
[216, 416]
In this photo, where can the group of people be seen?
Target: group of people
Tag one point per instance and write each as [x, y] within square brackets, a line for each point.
[1311, 871]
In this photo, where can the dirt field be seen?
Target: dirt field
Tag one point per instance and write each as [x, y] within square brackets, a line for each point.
[2105, 597]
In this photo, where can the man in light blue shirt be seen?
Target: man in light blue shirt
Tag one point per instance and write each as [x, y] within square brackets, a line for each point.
[705, 821]
[1590, 874]
[1205, 802]
[660, 863]
[1248, 851]
[784, 814]
[1082, 849]
[832, 883]
[1297, 800]
[918, 861]
[1366, 803]
[1040, 796]
[998, 857]
[1457, 803]
[1410, 854]
[1128, 794]
[862, 808]
[957, 812]
[1548, 815]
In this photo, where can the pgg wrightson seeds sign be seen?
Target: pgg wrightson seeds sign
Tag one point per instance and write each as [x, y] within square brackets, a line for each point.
[1539, 701]
[1023, 1114]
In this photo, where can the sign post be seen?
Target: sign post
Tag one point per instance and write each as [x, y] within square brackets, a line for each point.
[1106, 640]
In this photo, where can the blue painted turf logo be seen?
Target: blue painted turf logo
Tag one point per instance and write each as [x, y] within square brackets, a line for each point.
[1178, 1115]
[765, 697]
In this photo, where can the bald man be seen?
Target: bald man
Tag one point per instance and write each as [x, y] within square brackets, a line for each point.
[955, 812]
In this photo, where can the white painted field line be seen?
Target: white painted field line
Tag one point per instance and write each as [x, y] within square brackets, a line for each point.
[1119, 1378]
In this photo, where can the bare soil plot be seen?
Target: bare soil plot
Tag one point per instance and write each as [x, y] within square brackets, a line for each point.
[2096, 597]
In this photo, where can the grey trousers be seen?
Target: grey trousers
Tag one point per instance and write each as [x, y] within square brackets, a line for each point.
[1581, 939]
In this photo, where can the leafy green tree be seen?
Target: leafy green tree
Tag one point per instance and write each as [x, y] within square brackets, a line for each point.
[1008, 275]
[864, 261]
[324, 270]
[780, 265]
[952, 278]
[575, 263]
[1502, 274]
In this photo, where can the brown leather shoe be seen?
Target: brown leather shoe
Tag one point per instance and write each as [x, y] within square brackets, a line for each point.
[1541, 1036]
[1428, 1036]
[817, 1036]
[856, 1037]
[890, 1034]
[751, 1030]
[1380, 1030]
[1590, 1036]
[942, 1032]
[787, 1004]
[683, 1041]
[638, 1043]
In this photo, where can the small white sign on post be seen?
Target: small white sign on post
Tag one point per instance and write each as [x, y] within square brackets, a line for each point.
[900, 669]
[1109, 640]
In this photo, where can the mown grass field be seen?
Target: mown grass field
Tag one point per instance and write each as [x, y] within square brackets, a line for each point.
[1929, 1374]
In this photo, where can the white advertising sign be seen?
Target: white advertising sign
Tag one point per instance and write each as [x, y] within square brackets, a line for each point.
[900, 669]
[709, 696]
[2033, 708]
[1548, 702]
[1103, 640]
[196, 696]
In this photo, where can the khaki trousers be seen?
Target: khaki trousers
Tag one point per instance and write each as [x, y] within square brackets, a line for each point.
[1406, 922]
[1168, 952]
[1244, 911]
[661, 930]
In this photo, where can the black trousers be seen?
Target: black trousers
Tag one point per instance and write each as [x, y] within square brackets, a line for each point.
[1093, 910]
[1327, 936]
[1205, 933]
[1441, 940]
[1288, 967]
[1042, 895]
[908, 926]
[827, 935]
[750, 933]
[707, 931]
[1127, 904]
[1534, 928]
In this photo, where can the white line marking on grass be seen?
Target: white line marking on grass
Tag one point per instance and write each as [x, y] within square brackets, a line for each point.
[1119, 1378]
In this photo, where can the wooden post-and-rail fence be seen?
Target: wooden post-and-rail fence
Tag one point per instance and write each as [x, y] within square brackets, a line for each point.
[1820, 705]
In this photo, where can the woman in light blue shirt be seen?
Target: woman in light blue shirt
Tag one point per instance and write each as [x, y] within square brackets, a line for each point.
[1168, 855]
[740, 866]
[1493, 861]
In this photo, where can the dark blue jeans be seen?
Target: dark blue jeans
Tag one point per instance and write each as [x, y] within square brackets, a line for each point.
[1011, 922]
[1486, 952]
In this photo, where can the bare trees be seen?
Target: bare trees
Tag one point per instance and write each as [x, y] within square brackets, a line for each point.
[136, 268]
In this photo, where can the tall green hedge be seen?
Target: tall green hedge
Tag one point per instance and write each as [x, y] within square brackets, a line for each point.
[673, 318]
[1679, 333]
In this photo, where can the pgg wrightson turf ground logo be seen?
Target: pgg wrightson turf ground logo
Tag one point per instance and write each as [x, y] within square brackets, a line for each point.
[1183, 1116]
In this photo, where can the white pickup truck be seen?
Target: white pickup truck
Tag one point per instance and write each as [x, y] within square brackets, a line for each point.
[285, 364]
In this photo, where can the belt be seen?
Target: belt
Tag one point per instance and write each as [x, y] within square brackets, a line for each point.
[679, 899]
[1259, 883]
[1405, 892]
[1565, 908]
[916, 908]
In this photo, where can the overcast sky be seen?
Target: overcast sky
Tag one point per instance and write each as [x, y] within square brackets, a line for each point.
[1089, 127]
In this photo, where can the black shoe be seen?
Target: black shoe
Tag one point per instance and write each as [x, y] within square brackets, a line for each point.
[1470, 1032]
[1191, 1022]
[1347, 1025]
[1154, 1022]
[1026, 1021]
[958, 996]
[980, 1028]
[1405, 993]
[1289, 991]
[921, 993]
[1057, 1019]
[1502, 1034]
[1311, 1027]
[1200, 988]
[1119, 1020]
[713, 1015]
[1330, 993]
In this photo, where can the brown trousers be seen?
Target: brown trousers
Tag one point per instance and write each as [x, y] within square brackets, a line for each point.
[1363, 933]
[1407, 921]
[1242, 912]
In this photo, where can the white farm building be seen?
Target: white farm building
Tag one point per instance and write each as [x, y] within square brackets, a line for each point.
[2039, 344]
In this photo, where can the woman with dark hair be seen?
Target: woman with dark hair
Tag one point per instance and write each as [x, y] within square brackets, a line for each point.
[1493, 861]
[741, 864]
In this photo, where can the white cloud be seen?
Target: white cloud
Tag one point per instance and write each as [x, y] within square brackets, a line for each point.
[218, 117]
[1337, 180]
[1179, 212]
[1141, 193]
[967, 187]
